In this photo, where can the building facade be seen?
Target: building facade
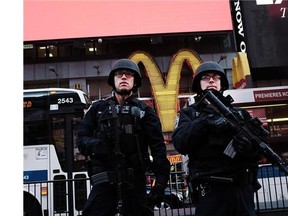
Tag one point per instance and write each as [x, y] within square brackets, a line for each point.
[84, 62]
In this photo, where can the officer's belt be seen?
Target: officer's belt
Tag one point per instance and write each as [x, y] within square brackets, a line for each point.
[112, 177]
[239, 179]
[100, 178]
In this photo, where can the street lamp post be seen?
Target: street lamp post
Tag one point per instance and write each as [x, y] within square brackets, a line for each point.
[53, 69]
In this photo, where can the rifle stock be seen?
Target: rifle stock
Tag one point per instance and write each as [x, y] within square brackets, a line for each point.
[252, 130]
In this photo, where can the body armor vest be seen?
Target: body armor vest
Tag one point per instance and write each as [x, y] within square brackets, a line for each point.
[120, 130]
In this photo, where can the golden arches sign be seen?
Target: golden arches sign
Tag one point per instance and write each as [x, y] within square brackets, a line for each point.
[166, 92]
[240, 71]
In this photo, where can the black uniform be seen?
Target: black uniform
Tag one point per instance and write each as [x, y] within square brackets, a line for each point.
[139, 127]
[222, 186]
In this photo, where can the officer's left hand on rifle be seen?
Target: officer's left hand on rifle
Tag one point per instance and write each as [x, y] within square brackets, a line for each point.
[217, 123]
[244, 147]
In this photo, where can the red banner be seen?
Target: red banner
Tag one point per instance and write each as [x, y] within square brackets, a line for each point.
[271, 95]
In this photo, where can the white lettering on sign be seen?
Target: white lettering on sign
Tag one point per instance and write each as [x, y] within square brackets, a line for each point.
[65, 100]
[283, 10]
[268, 2]
[271, 95]
[238, 16]
[265, 95]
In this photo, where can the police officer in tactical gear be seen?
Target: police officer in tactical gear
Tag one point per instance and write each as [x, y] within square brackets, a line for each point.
[221, 185]
[115, 135]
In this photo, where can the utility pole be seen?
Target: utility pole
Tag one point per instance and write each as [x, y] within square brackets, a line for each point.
[53, 69]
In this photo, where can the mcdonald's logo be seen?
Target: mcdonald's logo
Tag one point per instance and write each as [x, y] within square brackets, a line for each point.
[165, 92]
[240, 71]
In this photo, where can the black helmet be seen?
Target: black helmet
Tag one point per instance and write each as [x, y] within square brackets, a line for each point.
[128, 65]
[209, 66]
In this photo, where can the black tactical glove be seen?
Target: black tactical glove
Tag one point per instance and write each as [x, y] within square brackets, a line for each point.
[98, 148]
[243, 146]
[156, 195]
[218, 123]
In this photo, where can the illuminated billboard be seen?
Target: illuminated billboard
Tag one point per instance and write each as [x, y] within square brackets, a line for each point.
[261, 30]
[48, 19]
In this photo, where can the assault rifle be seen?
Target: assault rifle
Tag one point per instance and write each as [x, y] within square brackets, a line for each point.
[122, 177]
[119, 160]
[252, 130]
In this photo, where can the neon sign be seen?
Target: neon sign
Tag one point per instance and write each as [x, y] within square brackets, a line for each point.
[165, 92]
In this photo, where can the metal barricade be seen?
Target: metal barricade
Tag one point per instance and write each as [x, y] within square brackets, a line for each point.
[51, 198]
[273, 194]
